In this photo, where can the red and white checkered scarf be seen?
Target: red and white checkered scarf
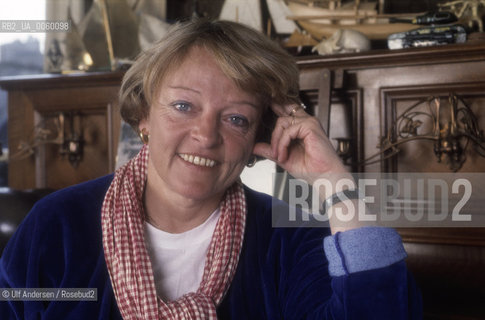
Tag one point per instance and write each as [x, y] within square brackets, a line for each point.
[128, 262]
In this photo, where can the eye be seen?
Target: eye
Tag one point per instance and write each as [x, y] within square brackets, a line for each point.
[182, 106]
[239, 121]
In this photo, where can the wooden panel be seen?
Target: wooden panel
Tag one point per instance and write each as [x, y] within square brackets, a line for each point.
[345, 109]
[448, 236]
[38, 101]
[59, 172]
[418, 156]
[84, 98]
[451, 279]
[448, 263]
[455, 53]
[49, 81]
[20, 131]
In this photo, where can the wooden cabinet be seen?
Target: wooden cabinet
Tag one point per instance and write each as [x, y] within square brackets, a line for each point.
[359, 97]
[40, 112]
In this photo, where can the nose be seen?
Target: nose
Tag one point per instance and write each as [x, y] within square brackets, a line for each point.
[206, 130]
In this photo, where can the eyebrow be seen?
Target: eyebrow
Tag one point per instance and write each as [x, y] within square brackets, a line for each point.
[184, 88]
[245, 103]
[242, 102]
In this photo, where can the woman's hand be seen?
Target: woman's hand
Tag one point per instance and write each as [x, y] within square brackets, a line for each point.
[300, 146]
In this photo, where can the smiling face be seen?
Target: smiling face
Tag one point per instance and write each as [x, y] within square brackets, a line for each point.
[202, 129]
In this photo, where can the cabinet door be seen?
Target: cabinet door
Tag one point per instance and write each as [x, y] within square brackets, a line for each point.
[37, 133]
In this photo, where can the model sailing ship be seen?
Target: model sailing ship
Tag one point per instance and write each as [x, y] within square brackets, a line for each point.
[321, 19]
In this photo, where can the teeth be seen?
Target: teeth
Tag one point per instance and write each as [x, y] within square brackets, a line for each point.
[199, 161]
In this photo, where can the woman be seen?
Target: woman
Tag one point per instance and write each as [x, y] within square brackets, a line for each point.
[175, 235]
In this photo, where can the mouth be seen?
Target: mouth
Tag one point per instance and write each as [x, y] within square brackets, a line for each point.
[197, 160]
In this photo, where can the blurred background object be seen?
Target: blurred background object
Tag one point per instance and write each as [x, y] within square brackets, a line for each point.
[344, 41]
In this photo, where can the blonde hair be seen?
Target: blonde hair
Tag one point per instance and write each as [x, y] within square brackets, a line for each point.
[254, 62]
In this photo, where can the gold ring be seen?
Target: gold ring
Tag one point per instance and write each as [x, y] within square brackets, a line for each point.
[295, 109]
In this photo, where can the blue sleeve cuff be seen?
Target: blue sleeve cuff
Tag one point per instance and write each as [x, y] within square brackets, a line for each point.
[363, 249]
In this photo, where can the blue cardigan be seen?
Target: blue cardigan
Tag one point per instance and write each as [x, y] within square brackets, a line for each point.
[283, 273]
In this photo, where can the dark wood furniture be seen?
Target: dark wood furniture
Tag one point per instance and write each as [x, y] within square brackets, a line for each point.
[363, 94]
[34, 105]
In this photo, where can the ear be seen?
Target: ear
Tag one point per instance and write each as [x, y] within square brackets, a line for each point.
[143, 124]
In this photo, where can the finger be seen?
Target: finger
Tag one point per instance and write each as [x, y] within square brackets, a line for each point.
[292, 109]
[281, 127]
[263, 150]
[291, 133]
[281, 124]
[280, 110]
[298, 129]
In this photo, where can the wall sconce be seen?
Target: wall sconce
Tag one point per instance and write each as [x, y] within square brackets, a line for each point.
[344, 149]
[72, 140]
[53, 130]
[451, 137]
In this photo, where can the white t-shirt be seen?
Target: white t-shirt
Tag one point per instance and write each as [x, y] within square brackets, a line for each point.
[178, 259]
